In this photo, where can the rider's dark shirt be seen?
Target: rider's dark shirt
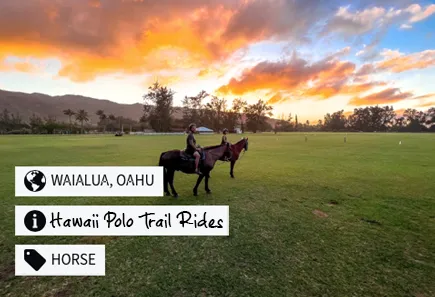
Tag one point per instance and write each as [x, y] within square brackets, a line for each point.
[224, 139]
[189, 148]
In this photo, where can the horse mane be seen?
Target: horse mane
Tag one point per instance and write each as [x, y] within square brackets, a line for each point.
[243, 139]
[212, 147]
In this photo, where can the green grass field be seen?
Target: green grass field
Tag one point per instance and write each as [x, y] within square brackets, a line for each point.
[315, 218]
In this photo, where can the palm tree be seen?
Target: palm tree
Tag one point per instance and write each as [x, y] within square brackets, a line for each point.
[82, 116]
[69, 113]
[102, 116]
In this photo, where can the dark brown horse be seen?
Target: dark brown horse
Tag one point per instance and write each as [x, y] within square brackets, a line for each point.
[177, 160]
[236, 149]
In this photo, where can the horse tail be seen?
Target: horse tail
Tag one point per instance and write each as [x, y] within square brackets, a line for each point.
[160, 159]
[161, 164]
[165, 174]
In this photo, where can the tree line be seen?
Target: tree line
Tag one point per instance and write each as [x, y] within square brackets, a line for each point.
[215, 113]
[367, 119]
[11, 123]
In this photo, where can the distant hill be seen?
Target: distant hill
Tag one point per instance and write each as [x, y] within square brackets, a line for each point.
[43, 105]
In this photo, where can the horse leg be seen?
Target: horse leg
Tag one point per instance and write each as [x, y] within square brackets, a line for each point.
[207, 189]
[165, 182]
[198, 182]
[233, 162]
[171, 174]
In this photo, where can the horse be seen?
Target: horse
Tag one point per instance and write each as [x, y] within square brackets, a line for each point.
[236, 149]
[177, 160]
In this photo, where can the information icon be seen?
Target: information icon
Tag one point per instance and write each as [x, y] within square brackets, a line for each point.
[35, 221]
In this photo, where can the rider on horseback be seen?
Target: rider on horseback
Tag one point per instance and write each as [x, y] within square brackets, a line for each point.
[192, 148]
[225, 141]
[224, 137]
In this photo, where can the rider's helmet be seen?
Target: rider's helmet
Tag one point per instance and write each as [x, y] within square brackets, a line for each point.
[225, 130]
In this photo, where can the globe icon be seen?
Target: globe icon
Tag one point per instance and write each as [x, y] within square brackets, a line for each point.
[34, 181]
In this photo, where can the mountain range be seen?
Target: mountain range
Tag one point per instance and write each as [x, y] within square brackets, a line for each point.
[43, 105]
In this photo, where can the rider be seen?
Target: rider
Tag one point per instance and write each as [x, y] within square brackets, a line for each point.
[192, 148]
[225, 141]
[224, 136]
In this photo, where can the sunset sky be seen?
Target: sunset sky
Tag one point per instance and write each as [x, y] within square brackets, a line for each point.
[305, 57]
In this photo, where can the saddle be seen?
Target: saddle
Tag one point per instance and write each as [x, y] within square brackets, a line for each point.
[188, 157]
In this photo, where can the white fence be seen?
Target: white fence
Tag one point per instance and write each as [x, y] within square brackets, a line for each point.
[164, 133]
[156, 133]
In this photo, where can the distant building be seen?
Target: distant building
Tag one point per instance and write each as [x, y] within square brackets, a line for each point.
[204, 130]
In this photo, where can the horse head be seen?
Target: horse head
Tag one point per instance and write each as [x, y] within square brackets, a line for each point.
[245, 147]
[242, 144]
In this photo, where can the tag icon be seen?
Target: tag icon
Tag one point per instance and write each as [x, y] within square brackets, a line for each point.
[34, 259]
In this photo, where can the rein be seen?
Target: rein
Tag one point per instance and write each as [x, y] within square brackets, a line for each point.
[220, 162]
[240, 156]
[244, 151]
[212, 153]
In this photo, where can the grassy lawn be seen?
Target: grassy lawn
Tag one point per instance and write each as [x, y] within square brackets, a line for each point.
[315, 218]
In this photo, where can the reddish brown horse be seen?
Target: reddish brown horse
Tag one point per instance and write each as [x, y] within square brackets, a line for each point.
[176, 160]
[236, 149]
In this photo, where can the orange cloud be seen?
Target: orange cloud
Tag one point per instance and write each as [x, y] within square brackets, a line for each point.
[425, 96]
[297, 77]
[365, 70]
[18, 66]
[95, 37]
[287, 75]
[387, 96]
[395, 61]
[326, 91]
[213, 71]
[326, 78]
[24, 67]
[278, 98]
[203, 72]
[275, 98]
[399, 62]
[427, 104]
